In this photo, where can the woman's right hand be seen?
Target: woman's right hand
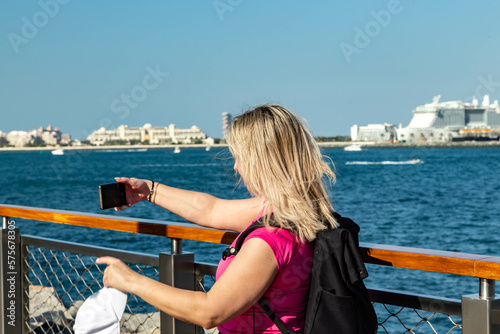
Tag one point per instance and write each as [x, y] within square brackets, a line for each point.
[136, 190]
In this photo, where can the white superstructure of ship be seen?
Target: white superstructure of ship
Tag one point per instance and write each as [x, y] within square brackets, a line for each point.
[452, 119]
[439, 121]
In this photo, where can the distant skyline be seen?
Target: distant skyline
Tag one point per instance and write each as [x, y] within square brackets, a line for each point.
[81, 65]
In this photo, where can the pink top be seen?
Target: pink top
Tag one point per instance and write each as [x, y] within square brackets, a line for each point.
[287, 295]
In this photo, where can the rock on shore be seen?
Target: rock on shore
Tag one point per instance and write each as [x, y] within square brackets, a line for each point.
[47, 314]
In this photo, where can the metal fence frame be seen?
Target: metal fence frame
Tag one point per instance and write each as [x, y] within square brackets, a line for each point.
[77, 249]
[480, 312]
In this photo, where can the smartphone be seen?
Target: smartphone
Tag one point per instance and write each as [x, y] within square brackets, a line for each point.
[112, 195]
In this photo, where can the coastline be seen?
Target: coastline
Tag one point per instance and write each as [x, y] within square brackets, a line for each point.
[429, 144]
[339, 145]
[108, 147]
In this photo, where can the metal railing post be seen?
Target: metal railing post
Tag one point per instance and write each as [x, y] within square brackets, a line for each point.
[10, 286]
[481, 312]
[176, 246]
[486, 288]
[177, 270]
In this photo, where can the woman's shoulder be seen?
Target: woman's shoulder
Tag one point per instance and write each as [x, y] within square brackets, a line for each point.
[283, 243]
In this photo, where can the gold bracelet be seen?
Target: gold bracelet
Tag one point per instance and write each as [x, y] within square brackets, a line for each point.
[151, 191]
[155, 192]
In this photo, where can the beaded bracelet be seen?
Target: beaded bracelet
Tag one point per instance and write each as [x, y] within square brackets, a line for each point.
[151, 191]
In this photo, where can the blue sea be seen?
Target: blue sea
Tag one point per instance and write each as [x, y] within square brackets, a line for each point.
[449, 199]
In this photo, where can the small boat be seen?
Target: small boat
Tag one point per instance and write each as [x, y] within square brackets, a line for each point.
[177, 149]
[57, 151]
[207, 148]
[353, 147]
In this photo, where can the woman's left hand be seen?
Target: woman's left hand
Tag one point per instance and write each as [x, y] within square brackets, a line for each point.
[118, 275]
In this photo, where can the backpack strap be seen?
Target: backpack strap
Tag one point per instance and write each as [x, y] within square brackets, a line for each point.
[277, 321]
[231, 251]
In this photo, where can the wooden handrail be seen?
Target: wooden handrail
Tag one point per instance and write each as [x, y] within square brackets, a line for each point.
[464, 264]
[122, 224]
[480, 266]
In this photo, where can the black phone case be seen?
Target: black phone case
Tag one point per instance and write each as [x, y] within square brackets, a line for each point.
[112, 195]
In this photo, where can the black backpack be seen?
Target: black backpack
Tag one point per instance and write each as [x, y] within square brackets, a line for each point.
[338, 299]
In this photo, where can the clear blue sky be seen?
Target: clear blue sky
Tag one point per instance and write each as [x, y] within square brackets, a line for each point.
[72, 63]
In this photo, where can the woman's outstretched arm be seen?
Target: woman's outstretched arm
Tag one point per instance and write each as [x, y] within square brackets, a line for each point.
[197, 207]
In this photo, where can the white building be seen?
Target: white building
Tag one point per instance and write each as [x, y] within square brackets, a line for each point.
[49, 136]
[147, 133]
[373, 132]
[226, 121]
[19, 138]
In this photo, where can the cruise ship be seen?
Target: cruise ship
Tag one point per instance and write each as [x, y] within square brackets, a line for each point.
[440, 121]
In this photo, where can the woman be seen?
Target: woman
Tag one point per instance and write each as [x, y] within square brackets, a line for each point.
[282, 167]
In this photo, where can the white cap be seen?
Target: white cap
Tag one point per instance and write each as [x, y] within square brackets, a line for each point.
[101, 313]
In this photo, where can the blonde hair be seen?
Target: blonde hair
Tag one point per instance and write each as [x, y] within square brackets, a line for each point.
[281, 163]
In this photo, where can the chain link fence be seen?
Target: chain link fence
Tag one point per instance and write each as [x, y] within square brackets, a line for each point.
[59, 281]
[397, 319]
